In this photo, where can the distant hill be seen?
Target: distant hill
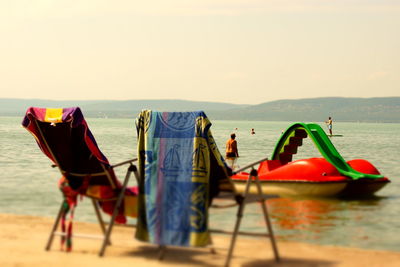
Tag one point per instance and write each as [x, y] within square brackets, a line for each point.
[111, 108]
[383, 109]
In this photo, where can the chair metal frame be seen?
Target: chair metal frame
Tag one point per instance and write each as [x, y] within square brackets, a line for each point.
[105, 230]
[247, 197]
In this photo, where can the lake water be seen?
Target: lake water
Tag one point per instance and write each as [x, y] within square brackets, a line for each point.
[29, 186]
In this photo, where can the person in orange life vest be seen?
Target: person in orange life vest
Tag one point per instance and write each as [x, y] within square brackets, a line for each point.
[232, 152]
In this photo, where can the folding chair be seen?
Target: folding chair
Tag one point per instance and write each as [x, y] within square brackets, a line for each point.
[181, 171]
[64, 137]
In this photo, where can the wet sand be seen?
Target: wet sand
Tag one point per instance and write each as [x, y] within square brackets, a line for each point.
[23, 238]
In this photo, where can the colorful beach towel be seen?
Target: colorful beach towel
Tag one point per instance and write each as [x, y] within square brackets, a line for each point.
[181, 169]
[65, 138]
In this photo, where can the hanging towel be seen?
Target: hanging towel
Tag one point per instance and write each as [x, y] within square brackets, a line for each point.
[181, 170]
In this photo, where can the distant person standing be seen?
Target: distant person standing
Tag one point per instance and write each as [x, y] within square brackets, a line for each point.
[329, 124]
[252, 131]
[232, 152]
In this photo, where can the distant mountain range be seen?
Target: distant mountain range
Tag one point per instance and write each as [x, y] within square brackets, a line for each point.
[382, 109]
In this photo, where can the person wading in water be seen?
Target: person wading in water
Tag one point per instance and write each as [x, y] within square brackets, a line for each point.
[231, 151]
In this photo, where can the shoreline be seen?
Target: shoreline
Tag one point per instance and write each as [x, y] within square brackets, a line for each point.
[23, 239]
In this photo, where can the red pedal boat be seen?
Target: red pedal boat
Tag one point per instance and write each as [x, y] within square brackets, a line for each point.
[319, 177]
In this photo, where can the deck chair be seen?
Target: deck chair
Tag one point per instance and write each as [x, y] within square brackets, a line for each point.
[64, 137]
[181, 171]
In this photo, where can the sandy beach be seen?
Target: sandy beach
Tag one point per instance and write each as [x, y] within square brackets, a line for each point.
[23, 238]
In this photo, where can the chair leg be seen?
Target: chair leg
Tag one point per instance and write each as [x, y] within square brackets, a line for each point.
[55, 226]
[268, 221]
[238, 221]
[210, 242]
[253, 174]
[106, 240]
[100, 218]
[270, 231]
[161, 253]
[235, 233]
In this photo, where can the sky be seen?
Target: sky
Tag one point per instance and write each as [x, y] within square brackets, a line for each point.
[233, 51]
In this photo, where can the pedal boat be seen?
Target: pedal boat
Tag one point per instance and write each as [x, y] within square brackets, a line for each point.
[314, 177]
[328, 176]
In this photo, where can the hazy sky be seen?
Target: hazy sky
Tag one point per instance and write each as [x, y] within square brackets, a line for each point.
[237, 51]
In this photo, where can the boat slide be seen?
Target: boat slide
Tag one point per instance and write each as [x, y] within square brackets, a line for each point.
[298, 131]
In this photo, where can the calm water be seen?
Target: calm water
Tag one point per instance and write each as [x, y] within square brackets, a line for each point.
[29, 185]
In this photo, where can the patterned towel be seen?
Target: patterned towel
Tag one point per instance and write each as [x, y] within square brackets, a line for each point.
[182, 170]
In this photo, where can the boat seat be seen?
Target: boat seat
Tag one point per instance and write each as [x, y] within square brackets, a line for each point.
[268, 165]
